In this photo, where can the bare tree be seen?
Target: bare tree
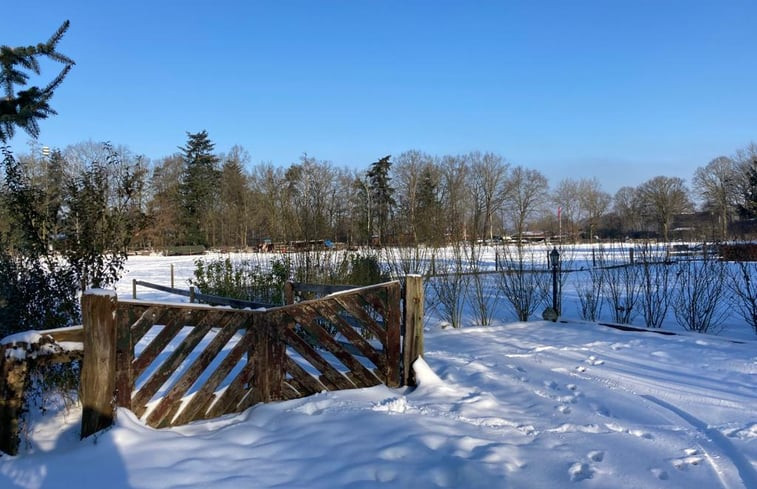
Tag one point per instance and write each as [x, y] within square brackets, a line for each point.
[566, 197]
[409, 169]
[454, 195]
[267, 186]
[718, 184]
[527, 191]
[626, 205]
[487, 182]
[662, 198]
[234, 194]
[594, 202]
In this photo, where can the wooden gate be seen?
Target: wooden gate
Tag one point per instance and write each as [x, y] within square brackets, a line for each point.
[175, 363]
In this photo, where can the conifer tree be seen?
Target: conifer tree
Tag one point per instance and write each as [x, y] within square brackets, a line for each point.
[199, 188]
[748, 209]
[25, 108]
[382, 195]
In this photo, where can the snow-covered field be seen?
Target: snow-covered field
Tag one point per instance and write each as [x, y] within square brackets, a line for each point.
[516, 405]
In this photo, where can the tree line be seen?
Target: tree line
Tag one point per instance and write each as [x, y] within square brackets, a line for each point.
[200, 197]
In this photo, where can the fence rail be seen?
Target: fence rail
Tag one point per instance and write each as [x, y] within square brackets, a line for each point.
[199, 296]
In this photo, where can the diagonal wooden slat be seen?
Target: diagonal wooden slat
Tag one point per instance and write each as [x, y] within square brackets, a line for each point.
[310, 385]
[157, 345]
[307, 316]
[354, 306]
[331, 312]
[197, 407]
[227, 402]
[148, 318]
[167, 368]
[332, 377]
[182, 385]
[376, 298]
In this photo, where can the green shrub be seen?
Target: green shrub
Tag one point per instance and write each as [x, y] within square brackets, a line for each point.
[248, 280]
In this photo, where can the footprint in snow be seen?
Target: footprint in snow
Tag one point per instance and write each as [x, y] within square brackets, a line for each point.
[592, 360]
[564, 409]
[692, 458]
[596, 455]
[580, 471]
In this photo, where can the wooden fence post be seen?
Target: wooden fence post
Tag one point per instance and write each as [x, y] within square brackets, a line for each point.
[413, 327]
[267, 357]
[133, 288]
[98, 371]
[172, 276]
[13, 378]
[288, 292]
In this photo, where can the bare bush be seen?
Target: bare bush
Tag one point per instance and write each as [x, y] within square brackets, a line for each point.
[590, 293]
[621, 288]
[483, 297]
[699, 288]
[450, 284]
[523, 281]
[655, 280]
[741, 283]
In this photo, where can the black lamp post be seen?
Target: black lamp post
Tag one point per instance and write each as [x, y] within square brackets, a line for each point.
[554, 260]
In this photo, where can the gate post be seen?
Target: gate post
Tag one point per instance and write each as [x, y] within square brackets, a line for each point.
[412, 347]
[98, 371]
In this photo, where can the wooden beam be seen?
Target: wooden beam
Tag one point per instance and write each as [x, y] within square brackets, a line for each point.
[413, 341]
[98, 372]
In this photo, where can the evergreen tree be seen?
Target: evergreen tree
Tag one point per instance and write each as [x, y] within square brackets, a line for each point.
[748, 209]
[25, 108]
[382, 198]
[198, 189]
[429, 208]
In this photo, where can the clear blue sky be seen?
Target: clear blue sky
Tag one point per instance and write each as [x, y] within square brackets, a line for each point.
[620, 90]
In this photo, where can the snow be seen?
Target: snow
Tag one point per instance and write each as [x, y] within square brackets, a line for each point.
[516, 405]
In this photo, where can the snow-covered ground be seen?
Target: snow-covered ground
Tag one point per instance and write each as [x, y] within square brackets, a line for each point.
[516, 405]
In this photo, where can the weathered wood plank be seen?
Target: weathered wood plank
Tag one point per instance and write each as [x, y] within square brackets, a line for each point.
[413, 340]
[393, 337]
[306, 382]
[74, 334]
[307, 316]
[229, 326]
[162, 373]
[288, 392]
[268, 359]
[197, 407]
[172, 327]
[148, 317]
[331, 312]
[98, 372]
[377, 298]
[354, 306]
[331, 375]
[124, 356]
[13, 379]
[228, 401]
